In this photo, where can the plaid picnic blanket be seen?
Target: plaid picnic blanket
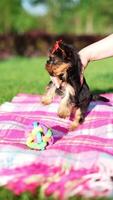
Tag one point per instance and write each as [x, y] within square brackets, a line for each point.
[78, 163]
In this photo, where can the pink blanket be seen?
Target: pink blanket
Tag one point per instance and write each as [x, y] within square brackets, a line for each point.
[78, 163]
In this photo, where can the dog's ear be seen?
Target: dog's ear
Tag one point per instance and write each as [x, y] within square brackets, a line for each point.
[73, 57]
[68, 49]
[76, 63]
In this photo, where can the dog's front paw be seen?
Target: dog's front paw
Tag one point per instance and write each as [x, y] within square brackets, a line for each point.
[46, 100]
[63, 112]
[73, 125]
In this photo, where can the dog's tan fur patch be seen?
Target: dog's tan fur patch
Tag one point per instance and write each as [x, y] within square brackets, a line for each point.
[65, 106]
[56, 70]
[61, 69]
[48, 97]
[76, 123]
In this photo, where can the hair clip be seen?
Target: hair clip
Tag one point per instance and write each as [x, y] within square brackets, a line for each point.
[56, 46]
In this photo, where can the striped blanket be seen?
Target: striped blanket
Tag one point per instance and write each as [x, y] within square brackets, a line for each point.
[77, 163]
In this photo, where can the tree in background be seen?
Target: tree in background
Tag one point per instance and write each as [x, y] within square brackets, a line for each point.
[14, 18]
[74, 16]
[95, 16]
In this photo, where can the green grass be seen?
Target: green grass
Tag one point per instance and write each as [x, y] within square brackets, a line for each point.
[8, 195]
[99, 75]
[19, 75]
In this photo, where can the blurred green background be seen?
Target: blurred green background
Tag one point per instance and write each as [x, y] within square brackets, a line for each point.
[57, 16]
[30, 27]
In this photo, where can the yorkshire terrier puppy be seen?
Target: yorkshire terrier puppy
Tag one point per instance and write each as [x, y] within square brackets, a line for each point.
[65, 69]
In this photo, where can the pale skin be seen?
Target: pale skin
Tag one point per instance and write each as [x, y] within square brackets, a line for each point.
[97, 51]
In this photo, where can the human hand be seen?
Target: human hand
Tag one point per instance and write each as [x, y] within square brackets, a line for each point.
[84, 58]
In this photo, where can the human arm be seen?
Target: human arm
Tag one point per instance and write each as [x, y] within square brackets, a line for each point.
[96, 51]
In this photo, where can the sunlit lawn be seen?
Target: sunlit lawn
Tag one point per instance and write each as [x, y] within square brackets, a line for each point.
[99, 75]
[22, 75]
[28, 75]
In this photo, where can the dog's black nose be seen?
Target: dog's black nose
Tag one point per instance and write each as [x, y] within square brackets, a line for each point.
[48, 61]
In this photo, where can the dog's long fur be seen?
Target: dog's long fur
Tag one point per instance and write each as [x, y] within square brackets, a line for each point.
[64, 63]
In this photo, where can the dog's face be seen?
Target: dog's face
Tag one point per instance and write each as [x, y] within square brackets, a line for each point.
[58, 63]
[62, 58]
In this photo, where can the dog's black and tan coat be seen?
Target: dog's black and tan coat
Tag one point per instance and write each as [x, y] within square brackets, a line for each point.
[64, 64]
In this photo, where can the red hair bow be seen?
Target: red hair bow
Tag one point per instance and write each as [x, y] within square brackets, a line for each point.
[56, 46]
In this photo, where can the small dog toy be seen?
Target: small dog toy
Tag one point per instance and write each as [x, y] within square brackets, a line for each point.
[39, 137]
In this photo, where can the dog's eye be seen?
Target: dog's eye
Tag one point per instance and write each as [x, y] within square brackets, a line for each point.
[55, 61]
[61, 76]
